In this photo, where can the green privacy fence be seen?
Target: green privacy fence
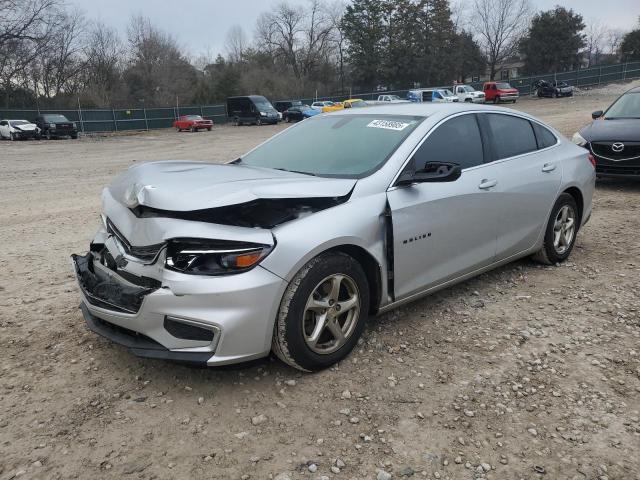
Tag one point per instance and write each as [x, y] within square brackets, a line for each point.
[582, 78]
[115, 120]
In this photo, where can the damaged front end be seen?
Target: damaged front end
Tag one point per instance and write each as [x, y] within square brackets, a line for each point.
[261, 213]
[104, 287]
[176, 269]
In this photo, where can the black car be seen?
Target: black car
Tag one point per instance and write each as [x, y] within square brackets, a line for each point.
[283, 105]
[251, 109]
[614, 137]
[298, 112]
[542, 88]
[53, 125]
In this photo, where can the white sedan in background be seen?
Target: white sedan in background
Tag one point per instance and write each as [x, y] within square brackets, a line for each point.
[18, 129]
[320, 105]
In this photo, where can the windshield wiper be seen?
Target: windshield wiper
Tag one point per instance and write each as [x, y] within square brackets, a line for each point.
[296, 171]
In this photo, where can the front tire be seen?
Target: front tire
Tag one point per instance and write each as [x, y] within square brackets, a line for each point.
[496, 100]
[561, 231]
[11, 137]
[322, 313]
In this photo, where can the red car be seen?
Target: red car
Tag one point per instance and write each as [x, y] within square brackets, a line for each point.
[192, 123]
[497, 92]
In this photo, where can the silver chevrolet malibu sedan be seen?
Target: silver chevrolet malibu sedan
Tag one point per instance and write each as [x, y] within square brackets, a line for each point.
[292, 246]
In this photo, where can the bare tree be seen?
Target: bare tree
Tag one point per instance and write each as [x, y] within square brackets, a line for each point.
[26, 20]
[236, 44]
[59, 66]
[25, 27]
[278, 32]
[158, 72]
[595, 37]
[103, 65]
[613, 40]
[499, 25]
[338, 38]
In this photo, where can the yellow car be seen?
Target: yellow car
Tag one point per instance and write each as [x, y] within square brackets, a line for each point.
[333, 108]
[341, 105]
[350, 103]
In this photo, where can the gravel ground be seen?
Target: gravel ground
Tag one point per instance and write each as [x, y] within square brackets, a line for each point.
[527, 372]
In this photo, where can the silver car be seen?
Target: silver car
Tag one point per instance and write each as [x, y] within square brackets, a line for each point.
[291, 247]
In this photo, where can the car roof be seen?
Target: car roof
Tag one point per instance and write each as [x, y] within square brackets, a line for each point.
[425, 109]
[634, 90]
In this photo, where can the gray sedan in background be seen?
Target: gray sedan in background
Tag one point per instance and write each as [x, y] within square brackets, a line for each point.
[292, 246]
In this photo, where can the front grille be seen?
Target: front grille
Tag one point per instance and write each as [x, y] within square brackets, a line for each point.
[145, 253]
[605, 150]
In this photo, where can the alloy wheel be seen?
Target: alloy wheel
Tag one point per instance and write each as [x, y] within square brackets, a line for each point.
[564, 228]
[331, 314]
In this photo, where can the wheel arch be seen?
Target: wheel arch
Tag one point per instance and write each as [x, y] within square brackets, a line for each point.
[372, 270]
[578, 197]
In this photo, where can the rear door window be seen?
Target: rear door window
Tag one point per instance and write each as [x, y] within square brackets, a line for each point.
[511, 135]
[455, 141]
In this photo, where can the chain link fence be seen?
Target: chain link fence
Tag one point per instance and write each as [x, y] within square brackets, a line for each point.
[115, 120]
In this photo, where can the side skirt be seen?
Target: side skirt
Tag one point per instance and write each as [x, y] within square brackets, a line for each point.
[462, 278]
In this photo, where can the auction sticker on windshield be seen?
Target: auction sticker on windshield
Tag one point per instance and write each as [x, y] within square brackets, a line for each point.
[388, 125]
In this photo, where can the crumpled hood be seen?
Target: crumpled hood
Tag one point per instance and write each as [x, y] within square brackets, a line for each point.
[27, 127]
[187, 186]
[623, 130]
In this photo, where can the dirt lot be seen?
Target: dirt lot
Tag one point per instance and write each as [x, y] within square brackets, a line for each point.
[523, 373]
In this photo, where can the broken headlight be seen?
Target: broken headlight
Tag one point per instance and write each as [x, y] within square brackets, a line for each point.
[214, 257]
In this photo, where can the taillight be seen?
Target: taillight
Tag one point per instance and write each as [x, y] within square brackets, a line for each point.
[592, 159]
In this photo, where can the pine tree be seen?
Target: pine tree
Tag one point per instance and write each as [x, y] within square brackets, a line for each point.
[554, 41]
[365, 24]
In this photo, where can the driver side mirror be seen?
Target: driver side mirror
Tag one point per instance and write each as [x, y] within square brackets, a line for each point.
[597, 114]
[432, 172]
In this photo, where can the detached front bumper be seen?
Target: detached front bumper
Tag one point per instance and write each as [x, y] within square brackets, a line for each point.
[186, 318]
[24, 134]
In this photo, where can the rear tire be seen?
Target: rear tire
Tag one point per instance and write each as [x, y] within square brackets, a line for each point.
[560, 232]
[304, 335]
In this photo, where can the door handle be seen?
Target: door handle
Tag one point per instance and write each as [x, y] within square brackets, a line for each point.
[486, 184]
[548, 167]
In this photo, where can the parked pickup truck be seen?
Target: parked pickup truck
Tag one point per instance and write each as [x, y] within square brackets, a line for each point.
[435, 95]
[497, 92]
[391, 99]
[466, 93]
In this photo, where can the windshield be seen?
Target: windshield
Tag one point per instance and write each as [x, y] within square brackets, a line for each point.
[262, 104]
[447, 93]
[503, 85]
[17, 123]
[378, 136]
[55, 118]
[193, 117]
[394, 97]
[468, 88]
[627, 106]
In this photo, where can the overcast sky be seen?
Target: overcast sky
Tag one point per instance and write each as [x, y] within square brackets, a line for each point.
[201, 25]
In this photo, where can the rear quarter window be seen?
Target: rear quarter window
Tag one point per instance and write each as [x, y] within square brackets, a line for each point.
[511, 135]
[544, 136]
